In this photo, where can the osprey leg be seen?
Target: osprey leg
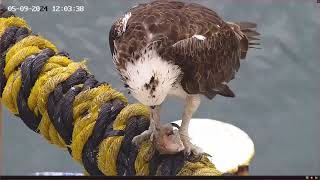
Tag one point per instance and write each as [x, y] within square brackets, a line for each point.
[153, 127]
[192, 104]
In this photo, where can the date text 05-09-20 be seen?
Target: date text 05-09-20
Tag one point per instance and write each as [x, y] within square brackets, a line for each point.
[46, 8]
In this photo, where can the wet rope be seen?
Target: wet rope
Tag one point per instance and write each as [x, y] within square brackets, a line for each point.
[59, 99]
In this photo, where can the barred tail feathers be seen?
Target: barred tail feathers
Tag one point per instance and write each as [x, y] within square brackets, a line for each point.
[247, 35]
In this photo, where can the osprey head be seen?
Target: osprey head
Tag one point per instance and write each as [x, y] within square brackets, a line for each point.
[149, 78]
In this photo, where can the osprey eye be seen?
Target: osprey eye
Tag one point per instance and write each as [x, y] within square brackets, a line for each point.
[126, 85]
[170, 133]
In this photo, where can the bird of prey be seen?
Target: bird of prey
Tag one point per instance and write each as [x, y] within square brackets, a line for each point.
[168, 48]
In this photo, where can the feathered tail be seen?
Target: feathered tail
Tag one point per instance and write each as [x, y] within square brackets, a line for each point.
[247, 36]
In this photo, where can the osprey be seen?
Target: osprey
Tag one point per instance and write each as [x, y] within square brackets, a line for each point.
[166, 48]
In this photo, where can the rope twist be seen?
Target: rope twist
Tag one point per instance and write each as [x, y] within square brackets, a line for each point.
[61, 100]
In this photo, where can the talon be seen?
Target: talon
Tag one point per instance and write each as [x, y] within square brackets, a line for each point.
[150, 133]
[152, 137]
[191, 149]
[187, 153]
[137, 140]
[206, 154]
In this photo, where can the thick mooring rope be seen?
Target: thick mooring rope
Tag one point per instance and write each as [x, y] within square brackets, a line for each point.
[59, 99]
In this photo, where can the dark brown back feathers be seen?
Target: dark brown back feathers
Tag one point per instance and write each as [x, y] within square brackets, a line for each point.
[207, 65]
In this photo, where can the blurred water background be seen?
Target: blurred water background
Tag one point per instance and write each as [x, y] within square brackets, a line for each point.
[277, 89]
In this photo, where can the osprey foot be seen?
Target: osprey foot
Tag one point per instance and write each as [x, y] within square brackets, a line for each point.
[150, 133]
[191, 149]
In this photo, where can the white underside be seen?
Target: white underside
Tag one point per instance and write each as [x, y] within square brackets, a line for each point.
[228, 145]
[149, 65]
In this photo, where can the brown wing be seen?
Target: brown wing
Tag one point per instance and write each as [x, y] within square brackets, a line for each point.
[209, 64]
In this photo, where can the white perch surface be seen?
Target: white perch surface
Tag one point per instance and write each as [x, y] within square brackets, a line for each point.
[228, 145]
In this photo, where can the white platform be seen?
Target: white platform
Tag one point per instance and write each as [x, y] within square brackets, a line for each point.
[228, 145]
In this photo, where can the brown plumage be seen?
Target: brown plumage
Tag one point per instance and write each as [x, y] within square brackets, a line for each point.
[174, 48]
[207, 65]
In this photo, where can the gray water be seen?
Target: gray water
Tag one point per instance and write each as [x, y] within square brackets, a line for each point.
[277, 88]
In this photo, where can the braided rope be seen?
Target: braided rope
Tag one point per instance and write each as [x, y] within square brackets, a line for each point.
[59, 99]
